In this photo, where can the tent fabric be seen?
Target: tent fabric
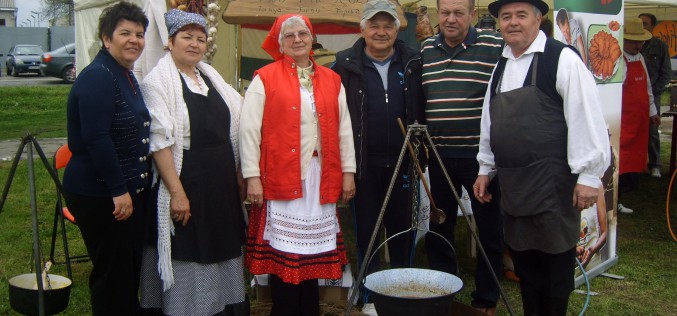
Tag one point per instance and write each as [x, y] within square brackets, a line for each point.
[157, 38]
[670, 3]
[87, 41]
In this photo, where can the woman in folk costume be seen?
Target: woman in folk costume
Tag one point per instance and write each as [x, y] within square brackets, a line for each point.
[194, 266]
[298, 159]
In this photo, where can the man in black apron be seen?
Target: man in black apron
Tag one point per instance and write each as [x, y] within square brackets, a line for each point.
[544, 132]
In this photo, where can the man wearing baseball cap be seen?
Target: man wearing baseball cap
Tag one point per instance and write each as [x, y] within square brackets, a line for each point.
[637, 112]
[382, 79]
[543, 130]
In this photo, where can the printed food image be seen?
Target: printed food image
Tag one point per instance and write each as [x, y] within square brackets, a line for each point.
[614, 26]
[604, 53]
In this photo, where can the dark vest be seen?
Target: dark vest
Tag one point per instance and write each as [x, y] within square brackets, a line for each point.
[528, 137]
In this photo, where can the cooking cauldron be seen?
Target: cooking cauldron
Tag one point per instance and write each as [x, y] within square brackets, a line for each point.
[412, 291]
[23, 297]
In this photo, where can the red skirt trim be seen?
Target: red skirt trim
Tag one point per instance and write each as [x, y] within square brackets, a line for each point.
[293, 268]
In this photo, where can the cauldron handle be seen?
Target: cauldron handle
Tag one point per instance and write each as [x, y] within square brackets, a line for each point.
[404, 232]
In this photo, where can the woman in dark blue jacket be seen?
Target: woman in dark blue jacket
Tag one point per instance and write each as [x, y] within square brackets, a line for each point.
[107, 179]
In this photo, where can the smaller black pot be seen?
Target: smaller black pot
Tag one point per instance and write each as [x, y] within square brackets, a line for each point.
[24, 299]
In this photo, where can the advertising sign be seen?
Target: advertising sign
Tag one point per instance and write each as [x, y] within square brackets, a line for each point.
[595, 29]
[667, 32]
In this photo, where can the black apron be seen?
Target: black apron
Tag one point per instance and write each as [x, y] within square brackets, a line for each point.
[528, 137]
[215, 231]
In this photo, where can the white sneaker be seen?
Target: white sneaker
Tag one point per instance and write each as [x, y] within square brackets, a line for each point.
[624, 209]
[656, 172]
[369, 309]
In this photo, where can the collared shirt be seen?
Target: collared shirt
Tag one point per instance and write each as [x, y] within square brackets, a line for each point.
[587, 140]
[638, 57]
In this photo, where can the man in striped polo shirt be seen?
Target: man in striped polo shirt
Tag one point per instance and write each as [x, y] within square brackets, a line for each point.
[457, 66]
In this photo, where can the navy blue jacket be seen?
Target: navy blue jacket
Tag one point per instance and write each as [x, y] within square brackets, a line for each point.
[108, 132]
[350, 66]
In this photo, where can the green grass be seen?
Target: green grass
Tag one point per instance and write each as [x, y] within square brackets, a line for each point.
[645, 249]
[39, 110]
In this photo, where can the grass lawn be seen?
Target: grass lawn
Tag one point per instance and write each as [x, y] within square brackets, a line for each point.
[39, 110]
[646, 251]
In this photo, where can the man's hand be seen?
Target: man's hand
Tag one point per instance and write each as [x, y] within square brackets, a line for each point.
[656, 120]
[584, 196]
[480, 189]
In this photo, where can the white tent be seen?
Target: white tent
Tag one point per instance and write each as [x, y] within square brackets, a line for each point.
[669, 3]
[87, 14]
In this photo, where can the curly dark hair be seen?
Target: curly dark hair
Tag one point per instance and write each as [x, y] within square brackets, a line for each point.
[122, 11]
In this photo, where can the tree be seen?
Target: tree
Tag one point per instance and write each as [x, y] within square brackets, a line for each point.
[58, 9]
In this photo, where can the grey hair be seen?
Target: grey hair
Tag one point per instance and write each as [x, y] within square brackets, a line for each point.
[294, 20]
[363, 23]
[537, 11]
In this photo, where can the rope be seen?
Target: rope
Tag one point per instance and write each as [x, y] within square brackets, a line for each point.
[587, 285]
[667, 205]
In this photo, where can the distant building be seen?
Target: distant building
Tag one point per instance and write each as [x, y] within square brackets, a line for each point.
[8, 13]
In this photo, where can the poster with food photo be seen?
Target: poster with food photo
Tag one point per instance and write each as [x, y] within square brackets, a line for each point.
[595, 30]
[604, 51]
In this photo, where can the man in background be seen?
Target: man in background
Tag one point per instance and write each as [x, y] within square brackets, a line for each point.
[657, 57]
[637, 112]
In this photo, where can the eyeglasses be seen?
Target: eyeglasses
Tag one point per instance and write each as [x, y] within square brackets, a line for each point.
[290, 37]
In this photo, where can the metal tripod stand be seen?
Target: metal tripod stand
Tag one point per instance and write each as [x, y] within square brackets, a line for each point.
[32, 144]
[418, 131]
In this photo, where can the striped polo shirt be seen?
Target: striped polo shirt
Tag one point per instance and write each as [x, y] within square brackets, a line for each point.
[454, 83]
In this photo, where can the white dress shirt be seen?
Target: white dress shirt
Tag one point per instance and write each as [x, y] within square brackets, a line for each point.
[587, 137]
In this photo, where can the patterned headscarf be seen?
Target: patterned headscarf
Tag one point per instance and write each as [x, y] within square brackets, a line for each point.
[272, 42]
[175, 19]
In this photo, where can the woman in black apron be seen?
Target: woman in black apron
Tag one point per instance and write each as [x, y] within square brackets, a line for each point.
[199, 219]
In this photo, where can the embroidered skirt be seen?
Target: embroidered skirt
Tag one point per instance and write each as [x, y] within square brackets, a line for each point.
[297, 240]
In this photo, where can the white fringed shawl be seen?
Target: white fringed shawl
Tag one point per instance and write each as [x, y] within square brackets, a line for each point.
[163, 94]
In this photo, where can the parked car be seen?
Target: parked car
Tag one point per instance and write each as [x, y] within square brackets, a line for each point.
[22, 59]
[60, 63]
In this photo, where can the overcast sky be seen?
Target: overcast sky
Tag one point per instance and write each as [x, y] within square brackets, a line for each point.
[25, 7]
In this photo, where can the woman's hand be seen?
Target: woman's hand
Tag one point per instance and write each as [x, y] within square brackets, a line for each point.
[348, 187]
[179, 207]
[123, 207]
[241, 184]
[255, 191]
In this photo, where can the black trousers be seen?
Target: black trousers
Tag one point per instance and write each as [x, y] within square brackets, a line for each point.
[115, 250]
[371, 190]
[627, 183]
[463, 172]
[301, 299]
[546, 281]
